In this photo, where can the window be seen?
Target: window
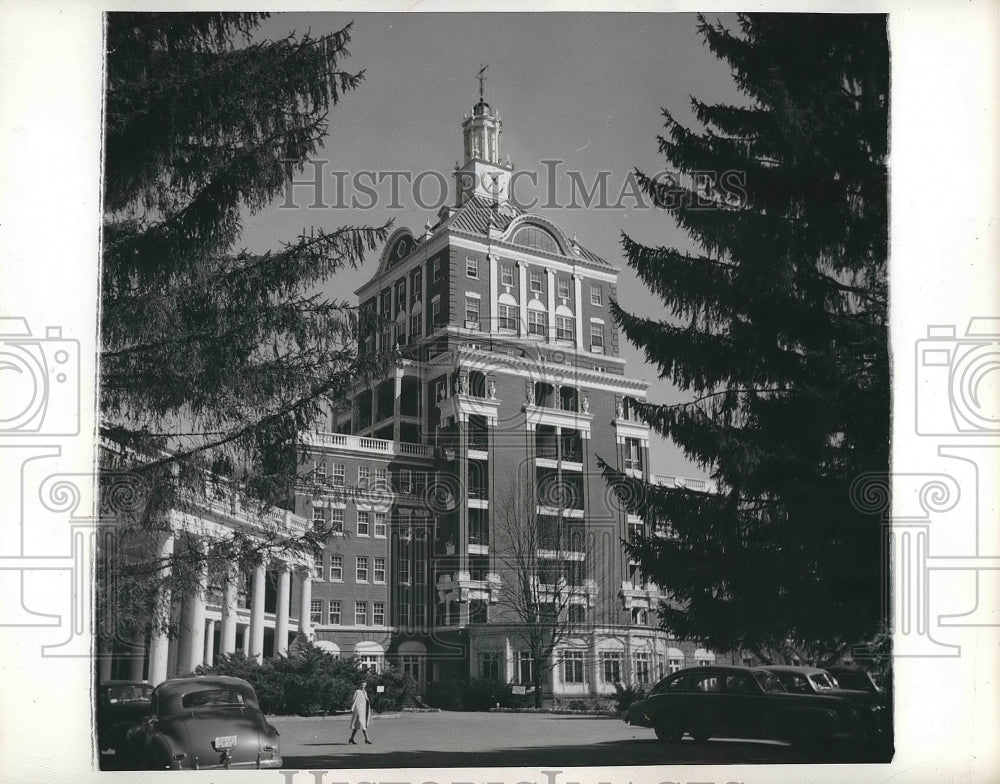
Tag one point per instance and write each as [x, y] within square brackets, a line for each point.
[436, 270]
[416, 286]
[536, 322]
[361, 573]
[363, 524]
[573, 667]
[640, 616]
[317, 565]
[404, 570]
[364, 474]
[633, 454]
[319, 517]
[380, 524]
[339, 474]
[611, 669]
[565, 328]
[378, 614]
[507, 317]
[337, 521]
[335, 612]
[435, 311]
[706, 683]
[534, 237]
[535, 281]
[596, 335]
[336, 568]
[471, 267]
[524, 668]
[315, 611]
[506, 274]
[371, 662]
[420, 571]
[416, 327]
[471, 313]
[675, 665]
[405, 481]
[400, 294]
[577, 613]
[379, 570]
[489, 665]
[410, 664]
[382, 478]
[385, 303]
[361, 613]
[562, 287]
[321, 471]
[596, 297]
[642, 667]
[402, 614]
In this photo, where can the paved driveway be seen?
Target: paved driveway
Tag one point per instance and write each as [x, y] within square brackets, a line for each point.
[468, 740]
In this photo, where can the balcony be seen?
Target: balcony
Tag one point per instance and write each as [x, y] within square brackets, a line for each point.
[366, 445]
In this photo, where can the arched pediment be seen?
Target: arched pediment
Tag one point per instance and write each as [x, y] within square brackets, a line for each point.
[400, 244]
[536, 233]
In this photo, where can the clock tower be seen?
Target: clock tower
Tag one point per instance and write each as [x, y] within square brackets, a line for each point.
[483, 173]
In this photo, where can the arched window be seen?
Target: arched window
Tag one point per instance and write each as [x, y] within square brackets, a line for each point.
[537, 319]
[536, 238]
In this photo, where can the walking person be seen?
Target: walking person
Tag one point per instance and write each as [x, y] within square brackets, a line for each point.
[361, 710]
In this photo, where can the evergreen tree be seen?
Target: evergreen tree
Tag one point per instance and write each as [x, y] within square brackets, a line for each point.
[213, 359]
[778, 328]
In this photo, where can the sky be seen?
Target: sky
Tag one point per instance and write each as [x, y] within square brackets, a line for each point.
[587, 90]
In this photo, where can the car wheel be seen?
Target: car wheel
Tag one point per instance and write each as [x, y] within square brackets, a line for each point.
[699, 730]
[668, 731]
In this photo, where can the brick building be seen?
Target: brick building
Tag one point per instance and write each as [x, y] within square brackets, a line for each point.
[509, 388]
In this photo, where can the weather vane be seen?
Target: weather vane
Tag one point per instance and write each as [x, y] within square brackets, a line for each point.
[480, 76]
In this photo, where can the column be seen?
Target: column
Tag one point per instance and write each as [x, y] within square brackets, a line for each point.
[227, 636]
[137, 659]
[246, 641]
[508, 660]
[491, 309]
[305, 603]
[397, 391]
[577, 309]
[257, 612]
[522, 298]
[192, 645]
[595, 666]
[210, 643]
[281, 612]
[159, 641]
[550, 323]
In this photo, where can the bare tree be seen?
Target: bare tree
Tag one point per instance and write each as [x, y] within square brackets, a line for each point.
[546, 560]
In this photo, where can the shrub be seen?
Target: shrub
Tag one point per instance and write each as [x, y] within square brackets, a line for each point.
[445, 694]
[399, 689]
[626, 695]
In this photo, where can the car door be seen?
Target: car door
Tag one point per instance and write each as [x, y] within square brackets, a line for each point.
[742, 705]
[706, 713]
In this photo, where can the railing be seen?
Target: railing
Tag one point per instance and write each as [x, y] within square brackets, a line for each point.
[363, 443]
[479, 443]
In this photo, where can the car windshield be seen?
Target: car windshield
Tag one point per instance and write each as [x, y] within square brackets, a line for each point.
[198, 699]
[129, 692]
[821, 681]
[769, 682]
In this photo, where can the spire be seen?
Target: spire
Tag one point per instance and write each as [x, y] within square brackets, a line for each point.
[482, 78]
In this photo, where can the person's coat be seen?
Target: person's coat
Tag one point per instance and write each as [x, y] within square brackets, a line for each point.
[360, 710]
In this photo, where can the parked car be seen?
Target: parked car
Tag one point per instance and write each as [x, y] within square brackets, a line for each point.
[742, 702]
[854, 678]
[120, 706]
[873, 720]
[205, 722]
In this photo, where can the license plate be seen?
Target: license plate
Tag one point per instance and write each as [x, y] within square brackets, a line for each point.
[224, 742]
